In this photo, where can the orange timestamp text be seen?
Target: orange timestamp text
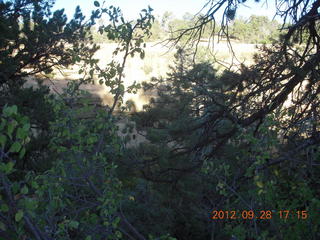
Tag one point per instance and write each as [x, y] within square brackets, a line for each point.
[260, 215]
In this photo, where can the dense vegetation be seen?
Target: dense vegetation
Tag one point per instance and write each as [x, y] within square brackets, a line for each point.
[226, 156]
[256, 29]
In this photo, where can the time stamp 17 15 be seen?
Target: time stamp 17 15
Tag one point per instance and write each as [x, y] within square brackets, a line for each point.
[260, 215]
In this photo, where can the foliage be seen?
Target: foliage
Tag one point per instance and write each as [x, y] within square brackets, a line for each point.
[258, 29]
[77, 197]
[130, 37]
[255, 30]
[26, 23]
[198, 120]
[214, 141]
[33, 42]
[158, 33]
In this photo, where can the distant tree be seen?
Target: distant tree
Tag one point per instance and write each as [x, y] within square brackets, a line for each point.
[158, 33]
[188, 17]
[166, 19]
[33, 38]
[257, 29]
[240, 30]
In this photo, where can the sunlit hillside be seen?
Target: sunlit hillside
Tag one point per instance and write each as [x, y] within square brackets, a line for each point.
[158, 58]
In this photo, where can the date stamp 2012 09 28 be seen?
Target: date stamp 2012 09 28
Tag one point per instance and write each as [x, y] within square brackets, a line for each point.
[260, 215]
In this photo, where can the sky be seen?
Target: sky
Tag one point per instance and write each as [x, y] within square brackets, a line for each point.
[131, 8]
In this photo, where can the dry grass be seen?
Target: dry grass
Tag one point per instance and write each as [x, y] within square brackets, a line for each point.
[156, 63]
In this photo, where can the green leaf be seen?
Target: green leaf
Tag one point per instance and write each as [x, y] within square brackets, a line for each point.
[19, 133]
[4, 208]
[116, 222]
[18, 216]
[30, 204]
[259, 184]
[96, 4]
[14, 109]
[24, 190]
[34, 184]
[16, 146]
[74, 224]
[3, 226]
[15, 187]
[22, 153]
[9, 167]
[10, 129]
[92, 139]
[3, 124]
[3, 140]
[22, 133]
[24, 120]
[118, 234]
[8, 111]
